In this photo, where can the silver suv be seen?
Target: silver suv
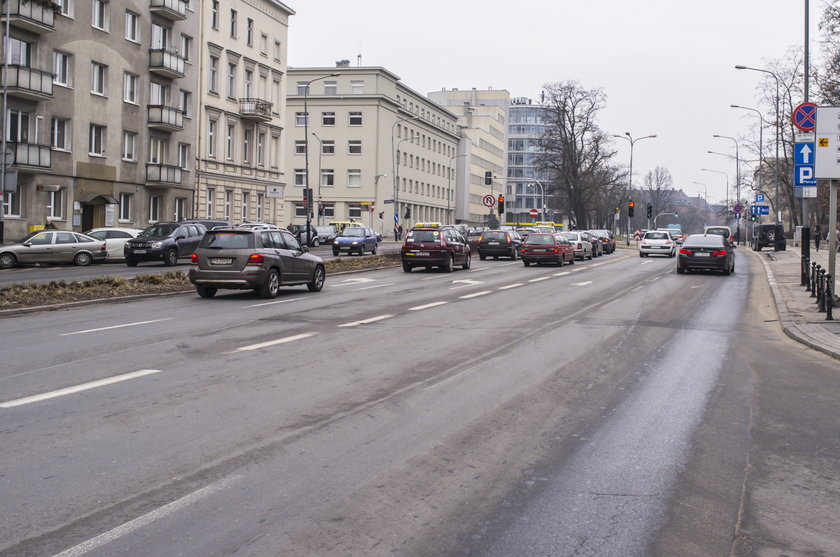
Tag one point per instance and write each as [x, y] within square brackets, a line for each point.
[261, 260]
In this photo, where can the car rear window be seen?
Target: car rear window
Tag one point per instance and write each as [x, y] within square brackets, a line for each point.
[657, 236]
[540, 239]
[423, 236]
[495, 235]
[227, 240]
[712, 240]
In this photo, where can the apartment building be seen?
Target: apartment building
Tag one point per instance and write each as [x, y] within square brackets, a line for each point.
[482, 121]
[241, 110]
[375, 149]
[98, 117]
[527, 186]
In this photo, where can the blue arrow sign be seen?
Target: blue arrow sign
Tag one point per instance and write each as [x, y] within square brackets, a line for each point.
[803, 153]
[764, 209]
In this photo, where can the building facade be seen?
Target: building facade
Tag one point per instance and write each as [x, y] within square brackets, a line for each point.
[376, 152]
[241, 111]
[527, 187]
[98, 113]
[482, 121]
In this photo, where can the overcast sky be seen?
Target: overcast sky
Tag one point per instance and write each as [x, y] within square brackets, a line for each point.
[666, 66]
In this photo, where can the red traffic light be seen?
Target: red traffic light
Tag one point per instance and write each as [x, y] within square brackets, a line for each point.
[631, 204]
[501, 199]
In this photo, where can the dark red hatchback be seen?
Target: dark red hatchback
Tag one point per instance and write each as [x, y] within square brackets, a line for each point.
[435, 245]
[547, 248]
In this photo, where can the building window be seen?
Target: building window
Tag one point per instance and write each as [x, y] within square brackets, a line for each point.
[214, 14]
[328, 148]
[355, 118]
[129, 146]
[61, 69]
[132, 26]
[60, 134]
[260, 198]
[186, 48]
[328, 210]
[125, 206]
[211, 203]
[328, 118]
[261, 149]
[300, 177]
[233, 24]
[55, 204]
[246, 205]
[20, 52]
[157, 150]
[100, 15]
[65, 7]
[11, 202]
[274, 153]
[354, 178]
[354, 147]
[184, 98]
[354, 210]
[231, 129]
[328, 177]
[330, 88]
[18, 127]
[211, 138]
[247, 84]
[158, 93]
[184, 156]
[228, 203]
[263, 44]
[249, 32]
[130, 88]
[97, 140]
[231, 78]
[300, 210]
[357, 87]
[180, 208]
[213, 74]
[247, 137]
[154, 208]
[300, 147]
[278, 51]
[301, 87]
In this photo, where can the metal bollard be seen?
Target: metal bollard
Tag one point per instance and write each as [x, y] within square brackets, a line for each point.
[815, 273]
[821, 293]
[806, 276]
[829, 299]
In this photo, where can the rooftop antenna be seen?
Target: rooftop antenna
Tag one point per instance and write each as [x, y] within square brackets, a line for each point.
[358, 59]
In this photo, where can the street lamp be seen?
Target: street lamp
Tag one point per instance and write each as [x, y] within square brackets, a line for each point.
[307, 189]
[760, 133]
[449, 187]
[395, 166]
[776, 164]
[320, 152]
[737, 185]
[542, 192]
[397, 175]
[630, 179]
[375, 199]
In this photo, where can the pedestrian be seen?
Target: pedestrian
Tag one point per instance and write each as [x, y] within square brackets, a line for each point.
[49, 225]
[401, 232]
[817, 236]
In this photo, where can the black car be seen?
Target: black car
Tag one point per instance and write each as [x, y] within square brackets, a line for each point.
[209, 224]
[768, 236]
[706, 252]
[164, 241]
[495, 243]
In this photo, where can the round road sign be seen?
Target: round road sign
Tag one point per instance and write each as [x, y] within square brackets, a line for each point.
[534, 213]
[805, 117]
[489, 200]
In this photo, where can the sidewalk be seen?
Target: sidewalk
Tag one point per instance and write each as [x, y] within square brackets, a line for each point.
[797, 310]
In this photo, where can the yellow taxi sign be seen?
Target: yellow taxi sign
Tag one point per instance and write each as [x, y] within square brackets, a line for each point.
[427, 225]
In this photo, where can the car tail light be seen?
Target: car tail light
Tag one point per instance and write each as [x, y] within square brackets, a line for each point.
[719, 252]
[256, 259]
[667, 242]
[684, 251]
[194, 259]
[579, 246]
[556, 250]
[644, 241]
[104, 248]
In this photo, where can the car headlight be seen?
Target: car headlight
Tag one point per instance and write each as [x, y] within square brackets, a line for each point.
[157, 245]
[356, 242]
[335, 242]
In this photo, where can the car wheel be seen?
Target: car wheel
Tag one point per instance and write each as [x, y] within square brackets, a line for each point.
[7, 260]
[170, 258]
[641, 254]
[482, 256]
[727, 271]
[468, 263]
[526, 262]
[317, 283]
[680, 270]
[130, 262]
[450, 265]
[205, 291]
[560, 260]
[335, 253]
[513, 254]
[373, 251]
[272, 285]
[316, 242]
[406, 268]
[572, 260]
[733, 267]
[590, 256]
[82, 259]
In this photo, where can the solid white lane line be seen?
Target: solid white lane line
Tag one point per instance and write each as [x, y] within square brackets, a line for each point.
[115, 327]
[474, 295]
[283, 340]
[538, 279]
[374, 286]
[146, 519]
[272, 303]
[581, 283]
[366, 321]
[78, 388]
[564, 273]
[511, 286]
[427, 306]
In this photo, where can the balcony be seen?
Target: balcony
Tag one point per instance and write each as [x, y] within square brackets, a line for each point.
[166, 62]
[173, 10]
[29, 83]
[31, 157]
[30, 15]
[163, 174]
[255, 109]
[166, 118]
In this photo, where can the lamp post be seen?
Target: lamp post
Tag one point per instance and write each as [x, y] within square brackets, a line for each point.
[542, 193]
[449, 187]
[375, 199]
[395, 166]
[397, 177]
[320, 152]
[308, 190]
[630, 179]
[737, 185]
[760, 134]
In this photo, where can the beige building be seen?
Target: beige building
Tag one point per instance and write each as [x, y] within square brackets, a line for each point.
[241, 110]
[482, 119]
[98, 119]
[371, 140]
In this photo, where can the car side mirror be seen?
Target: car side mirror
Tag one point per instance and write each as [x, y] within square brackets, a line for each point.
[304, 249]
[181, 237]
[27, 244]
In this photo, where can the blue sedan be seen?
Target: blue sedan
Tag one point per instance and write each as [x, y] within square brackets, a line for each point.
[355, 239]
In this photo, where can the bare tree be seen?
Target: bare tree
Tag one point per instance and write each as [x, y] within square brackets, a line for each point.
[575, 150]
[828, 76]
[659, 187]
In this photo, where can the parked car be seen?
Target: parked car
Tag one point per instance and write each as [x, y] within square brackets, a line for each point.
[768, 235]
[247, 259]
[658, 242]
[702, 252]
[164, 241]
[209, 224]
[595, 241]
[358, 239]
[326, 234]
[607, 239]
[541, 247]
[495, 243]
[434, 245]
[581, 243]
[115, 239]
[314, 240]
[53, 246]
[258, 226]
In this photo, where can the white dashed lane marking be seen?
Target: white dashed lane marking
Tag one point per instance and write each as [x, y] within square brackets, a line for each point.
[368, 320]
[283, 340]
[474, 295]
[115, 327]
[511, 286]
[427, 306]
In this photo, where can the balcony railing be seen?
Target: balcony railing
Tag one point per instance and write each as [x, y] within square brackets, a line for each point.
[29, 83]
[29, 15]
[165, 62]
[169, 118]
[173, 10]
[255, 109]
[31, 157]
[163, 173]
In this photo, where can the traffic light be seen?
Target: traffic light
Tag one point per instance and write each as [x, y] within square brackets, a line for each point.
[501, 204]
[381, 215]
[630, 207]
[488, 178]
[307, 197]
[407, 212]
[753, 218]
[650, 211]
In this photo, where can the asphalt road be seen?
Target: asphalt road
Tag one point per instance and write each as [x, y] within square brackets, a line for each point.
[605, 408]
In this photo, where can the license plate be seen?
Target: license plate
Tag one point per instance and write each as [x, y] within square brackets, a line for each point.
[492, 243]
[539, 251]
[418, 253]
[139, 251]
[221, 261]
[701, 254]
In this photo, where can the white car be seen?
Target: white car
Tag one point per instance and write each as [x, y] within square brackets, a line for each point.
[114, 239]
[581, 243]
[657, 242]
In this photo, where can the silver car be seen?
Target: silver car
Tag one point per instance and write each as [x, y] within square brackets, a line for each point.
[115, 239]
[53, 246]
[581, 243]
